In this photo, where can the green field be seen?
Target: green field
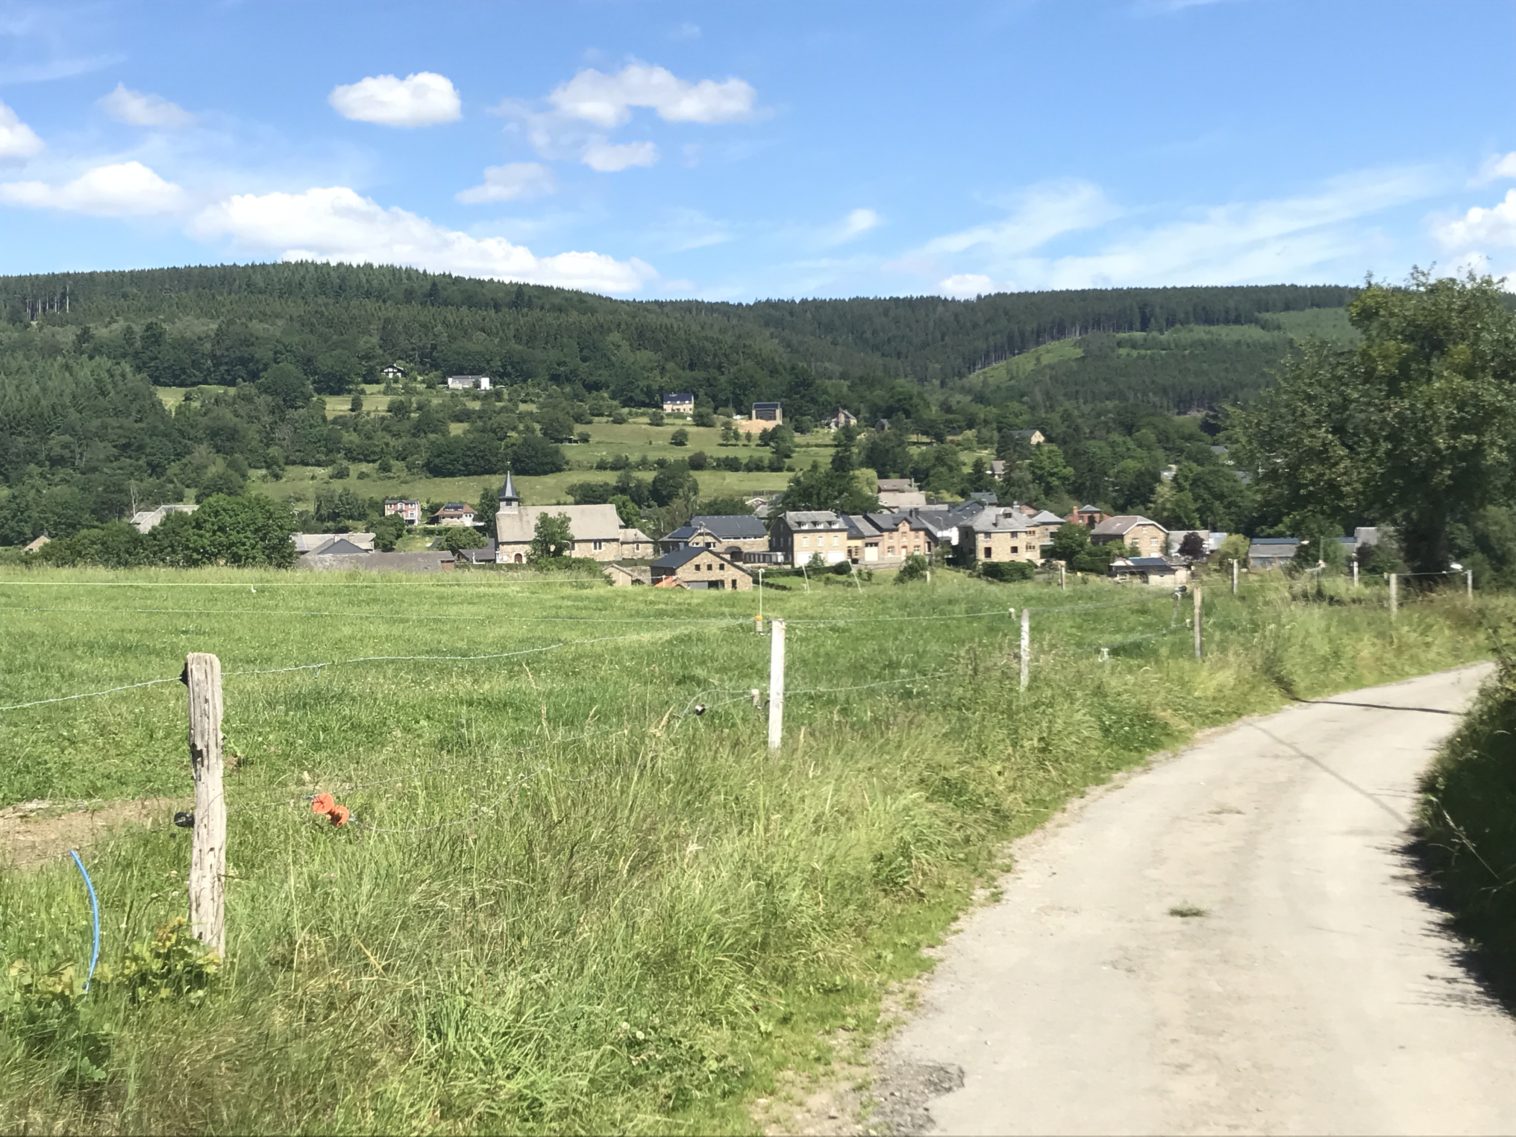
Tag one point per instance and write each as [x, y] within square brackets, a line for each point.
[568, 901]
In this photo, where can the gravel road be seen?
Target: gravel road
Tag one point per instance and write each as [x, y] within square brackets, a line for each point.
[1227, 942]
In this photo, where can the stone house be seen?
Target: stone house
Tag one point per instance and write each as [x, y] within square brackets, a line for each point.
[146, 520]
[731, 534]
[1087, 515]
[1001, 533]
[841, 418]
[1144, 537]
[679, 403]
[468, 382]
[700, 568]
[803, 534]
[1271, 552]
[888, 538]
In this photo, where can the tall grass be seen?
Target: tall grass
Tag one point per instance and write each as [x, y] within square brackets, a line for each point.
[1467, 826]
[569, 901]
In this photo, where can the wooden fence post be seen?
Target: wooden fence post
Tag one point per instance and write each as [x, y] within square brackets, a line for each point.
[1234, 576]
[1468, 576]
[1199, 634]
[1355, 572]
[776, 683]
[1063, 577]
[1394, 595]
[207, 878]
[1026, 647]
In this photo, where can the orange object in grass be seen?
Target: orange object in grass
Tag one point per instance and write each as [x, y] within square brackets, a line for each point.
[339, 814]
[323, 803]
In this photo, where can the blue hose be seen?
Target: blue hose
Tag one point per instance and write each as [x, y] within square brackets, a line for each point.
[94, 911]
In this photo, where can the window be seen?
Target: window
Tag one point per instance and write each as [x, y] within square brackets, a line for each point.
[804, 540]
[721, 566]
[1015, 549]
[989, 553]
[599, 545]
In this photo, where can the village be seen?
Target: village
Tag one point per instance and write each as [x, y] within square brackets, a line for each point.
[729, 551]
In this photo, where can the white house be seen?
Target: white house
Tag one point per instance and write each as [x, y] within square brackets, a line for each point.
[468, 382]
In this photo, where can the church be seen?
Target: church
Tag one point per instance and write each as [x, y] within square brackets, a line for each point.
[597, 530]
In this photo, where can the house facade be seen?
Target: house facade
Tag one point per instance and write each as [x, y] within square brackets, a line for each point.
[679, 403]
[1144, 537]
[405, 508]
[1000, 533]
[887, 538]
[1271, 552]
[841, 418]
[393, 372]
[1087, 515]
[803, 534]
[700, 569]
[596, 530]
[453, 513]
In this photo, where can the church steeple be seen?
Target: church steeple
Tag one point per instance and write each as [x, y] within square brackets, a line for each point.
[508, 495]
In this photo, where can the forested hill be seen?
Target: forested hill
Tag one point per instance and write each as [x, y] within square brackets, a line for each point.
[226, 324]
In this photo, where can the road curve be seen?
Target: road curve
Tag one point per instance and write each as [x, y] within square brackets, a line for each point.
[1316, 994]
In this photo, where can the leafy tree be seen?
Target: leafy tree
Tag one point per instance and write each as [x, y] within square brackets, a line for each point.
[244, 532]
[388, 531]
[680, 437]
[534, 455]
[287, 385]
[556, 425]
[457, 538]
[889, 453]
[553, 537]
[674, 481]
[655, 418]
[627, 510]
[818, 488]
[221, 481]
[1192, 546]
[1071, 544]
[1234, 547]
[1414, 426]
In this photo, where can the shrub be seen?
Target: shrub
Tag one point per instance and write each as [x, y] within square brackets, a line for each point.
[1007, 572]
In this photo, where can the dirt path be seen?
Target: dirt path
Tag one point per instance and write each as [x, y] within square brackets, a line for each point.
[1228, 942]
[37, 831]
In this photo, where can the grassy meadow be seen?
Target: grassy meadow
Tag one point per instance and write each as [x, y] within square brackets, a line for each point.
[569, 899]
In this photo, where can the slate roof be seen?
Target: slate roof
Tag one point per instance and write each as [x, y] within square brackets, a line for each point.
[1121, 525]
[896, 485]
[860, 527]
[902, 499]
[679, 397]
[315, 542]
[814, 519]
[681, 557]
[724, 527]
[996, 519]
[586, 522]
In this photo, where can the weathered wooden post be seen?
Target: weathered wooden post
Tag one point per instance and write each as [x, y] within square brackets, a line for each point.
[1355, 572]
[1199, 634]
[776, 683]
[1026, 647]
[1234, 576]
[1394, 595]
[207, 878]
[1468, 577]
[1063, 577]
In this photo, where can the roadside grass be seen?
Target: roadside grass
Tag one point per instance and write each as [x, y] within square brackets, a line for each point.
[568, 903]
[1466, 830]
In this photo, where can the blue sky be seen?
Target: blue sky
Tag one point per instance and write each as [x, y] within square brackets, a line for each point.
[656, 149]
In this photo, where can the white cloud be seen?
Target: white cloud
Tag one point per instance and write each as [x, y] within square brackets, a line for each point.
[17, 140]
[123, 189]
[338, 224]
[1039, 214]
[512, 182]
[855, 224]
[689, 30]
[608, 157]
[138, 108]
[684, 229]
[422, 99]
[1261, 241]
[1497, 168]
[966, 285]
[1495, 225]
[608, 100]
